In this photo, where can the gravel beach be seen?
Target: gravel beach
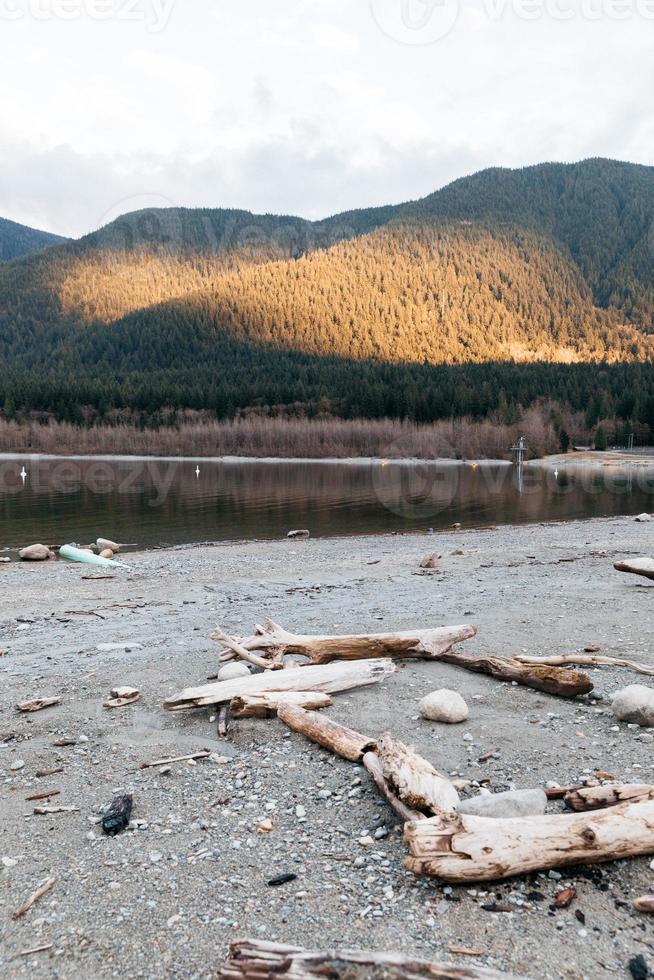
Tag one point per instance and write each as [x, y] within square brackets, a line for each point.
[166, 898]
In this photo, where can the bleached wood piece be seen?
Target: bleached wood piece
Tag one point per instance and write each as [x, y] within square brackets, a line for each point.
[374, 769]
[586, 660]
[458, 848]
[265, 703]
[553, 680]
[178, 758]
[612, 794]
[322, 730]
[636, 566]
[221, 637]
[253, 959]
[413, 644]
[39, 704]
[328, 679]
[413, 779]
[34, 897]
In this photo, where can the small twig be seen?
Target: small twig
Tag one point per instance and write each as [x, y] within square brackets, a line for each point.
[46, 811]
[34, 897]
[220, 637]
[180, 758]
[48, 772]
[43, 796]
[36, 949]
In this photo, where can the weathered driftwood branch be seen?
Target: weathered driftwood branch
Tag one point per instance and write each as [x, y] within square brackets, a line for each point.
[458, 848]
[277, 642]
[413, 779]
[374, 769]
[636, 566]
[586, 660]
[322, 730]
[328, 679]
[612, 794]
[265, 703]
[552, 680]
[240, 651]
[34, 897]
[252, 959]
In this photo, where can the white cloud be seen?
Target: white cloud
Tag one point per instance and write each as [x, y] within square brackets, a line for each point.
[302, 106]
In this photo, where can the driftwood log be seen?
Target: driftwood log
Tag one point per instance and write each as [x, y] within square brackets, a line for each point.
[29, 707]
[552, 680]
[458, 848]
[265, 703]
[374, 769]
[322, 730]
[327, 679]
[413, 779]
[613, 794]
[275, 642]
[636, 566]
[586, 660]
[251, 959]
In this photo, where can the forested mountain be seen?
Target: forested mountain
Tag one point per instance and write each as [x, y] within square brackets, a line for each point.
[18, 240]
[503, 288]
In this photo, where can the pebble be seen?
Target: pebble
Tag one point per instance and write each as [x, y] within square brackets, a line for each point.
[635, 704]
[17, 765]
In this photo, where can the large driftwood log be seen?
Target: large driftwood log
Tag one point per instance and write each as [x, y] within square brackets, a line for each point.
[458, 848]
[612, 794]
[327, 679]
[318, 728]
[413, 779]
[585, 660]
[636, 566]
[552, 680]
[265, 703]
[374, 769]
[275, 642]
[252, 959]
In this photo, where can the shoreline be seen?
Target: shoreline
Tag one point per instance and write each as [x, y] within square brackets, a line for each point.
[194, 876]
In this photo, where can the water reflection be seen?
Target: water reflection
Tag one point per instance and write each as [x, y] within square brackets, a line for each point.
[157, 502]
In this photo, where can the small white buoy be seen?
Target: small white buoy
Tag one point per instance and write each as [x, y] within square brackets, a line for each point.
[197, 472]
[23, 475]
[556, 474]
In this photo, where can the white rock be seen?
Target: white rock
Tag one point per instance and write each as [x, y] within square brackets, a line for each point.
[8, 862]
[231, 671]
[17, 765]
[521, 803]
[445, 706]
[635, 704]
[643, 518]
[36, 552]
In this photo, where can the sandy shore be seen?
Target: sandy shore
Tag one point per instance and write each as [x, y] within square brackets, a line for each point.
[165, 900]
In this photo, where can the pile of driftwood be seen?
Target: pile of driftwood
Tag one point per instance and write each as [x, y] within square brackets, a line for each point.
[606, 822]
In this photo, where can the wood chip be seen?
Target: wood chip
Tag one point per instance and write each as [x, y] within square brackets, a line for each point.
[39, 704]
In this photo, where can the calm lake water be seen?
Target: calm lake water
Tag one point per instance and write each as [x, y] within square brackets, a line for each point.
[151, 502]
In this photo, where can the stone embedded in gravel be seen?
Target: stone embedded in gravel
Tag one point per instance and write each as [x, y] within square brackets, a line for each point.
[231, 671]
[444, 706]
[520, 803]
[17, 765]
[643, 518]
[635, 704]
[36, 552]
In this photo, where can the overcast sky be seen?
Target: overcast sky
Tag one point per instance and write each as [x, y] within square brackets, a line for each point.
[305, 106]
